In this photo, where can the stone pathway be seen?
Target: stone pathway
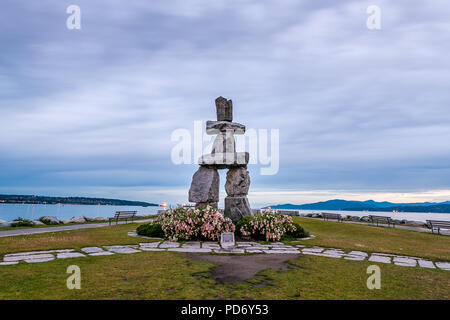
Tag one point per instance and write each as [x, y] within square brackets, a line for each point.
[214, 247]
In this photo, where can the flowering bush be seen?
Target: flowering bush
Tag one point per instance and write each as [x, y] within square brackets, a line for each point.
[266, 226]
[194, 224]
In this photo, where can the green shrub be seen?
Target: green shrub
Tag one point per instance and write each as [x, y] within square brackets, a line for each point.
[244, 221]
[19, 222]
[298, 233]
[150, 230]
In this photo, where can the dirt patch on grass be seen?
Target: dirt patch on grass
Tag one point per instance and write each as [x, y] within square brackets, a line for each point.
[239, 268]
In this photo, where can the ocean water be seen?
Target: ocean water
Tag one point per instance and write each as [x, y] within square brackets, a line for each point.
[10, 212]
[414, 216]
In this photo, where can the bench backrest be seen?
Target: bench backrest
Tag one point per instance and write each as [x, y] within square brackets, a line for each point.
[125, 214]
[288, 212]
[438, 223]
[380, 218]
[331, 215]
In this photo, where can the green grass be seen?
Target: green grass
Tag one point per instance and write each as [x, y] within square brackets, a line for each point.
[376, 239]
[169, 275]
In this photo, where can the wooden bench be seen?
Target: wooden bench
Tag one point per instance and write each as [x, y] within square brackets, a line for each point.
[326, 216]
[437, 224]
[383, 219]
[123, 215]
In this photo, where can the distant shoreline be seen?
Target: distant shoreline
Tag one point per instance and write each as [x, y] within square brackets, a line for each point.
[44, 200]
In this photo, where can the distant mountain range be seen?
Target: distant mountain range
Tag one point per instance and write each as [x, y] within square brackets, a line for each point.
[369, 205]
[27, 199]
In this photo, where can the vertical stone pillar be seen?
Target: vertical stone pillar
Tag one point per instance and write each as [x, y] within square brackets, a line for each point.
[204, 188]
[236, 186]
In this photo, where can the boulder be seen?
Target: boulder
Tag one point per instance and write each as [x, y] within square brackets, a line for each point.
[365, 218]
[238, 182]
[37, 223]
[78, 220]
[50, 220]
[205, 186]
[4, 224]
[237, 207]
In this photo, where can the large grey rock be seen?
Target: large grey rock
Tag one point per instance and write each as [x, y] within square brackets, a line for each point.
[237, 207]
[78, 220]
[238, 182]
[50, 220]
[224, 109]
[4, 224]
[205, 186]
[37, 223]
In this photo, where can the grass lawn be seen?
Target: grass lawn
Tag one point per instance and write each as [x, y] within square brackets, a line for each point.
[377, 239]
[169, 275]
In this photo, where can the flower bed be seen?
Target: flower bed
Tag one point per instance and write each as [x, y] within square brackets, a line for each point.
[270, 227]
[208, 224]
[194, 224]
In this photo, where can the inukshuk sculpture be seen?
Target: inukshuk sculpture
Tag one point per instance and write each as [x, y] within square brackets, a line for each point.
[205, 182]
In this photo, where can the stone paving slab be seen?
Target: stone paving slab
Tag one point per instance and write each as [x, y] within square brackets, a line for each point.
[199, 250]
[152, 249]
[92, 249]
[274, 251]
[28, 257]
[149, 245]
[67, 255]
[405, 262]
[123, 250]
[103, 253]
[39, 260]
[426, 264]
[169, 244]
[443, 265]
[378, 258]
[354, 257]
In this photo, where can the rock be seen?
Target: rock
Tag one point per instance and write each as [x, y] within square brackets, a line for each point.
[99, 219]
[215, 127]
[78, 220]
[224, 109]
[355, 218]
[37, 223]
[221, 161]
[4, 224]
[237, 207]
[238, 182]
[365, 218]
[205, 186]
[50, 220]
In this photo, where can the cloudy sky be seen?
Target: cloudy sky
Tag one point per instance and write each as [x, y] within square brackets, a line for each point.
[362, 114]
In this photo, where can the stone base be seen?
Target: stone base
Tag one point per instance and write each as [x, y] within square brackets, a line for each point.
[237, 207]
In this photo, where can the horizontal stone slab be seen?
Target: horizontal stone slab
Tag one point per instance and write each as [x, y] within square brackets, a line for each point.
[381, 259]
[216, 127]
[224, 160]
[199, 250]
[39, 260]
